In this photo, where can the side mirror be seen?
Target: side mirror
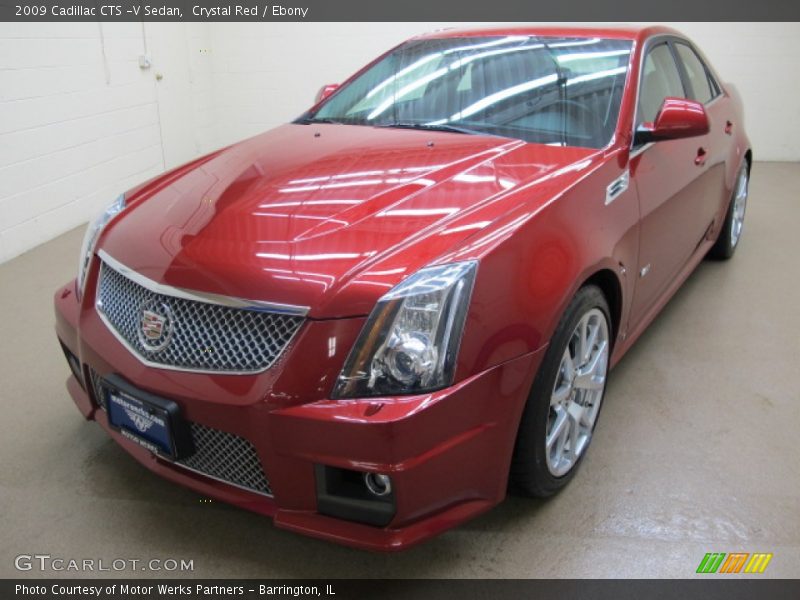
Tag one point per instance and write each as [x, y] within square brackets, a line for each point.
[678, 118]
[325, 91]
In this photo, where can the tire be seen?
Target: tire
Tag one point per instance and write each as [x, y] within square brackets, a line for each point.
[557, 403]
[731, 231]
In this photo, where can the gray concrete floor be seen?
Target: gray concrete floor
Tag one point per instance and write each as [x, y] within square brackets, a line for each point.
[696, 450]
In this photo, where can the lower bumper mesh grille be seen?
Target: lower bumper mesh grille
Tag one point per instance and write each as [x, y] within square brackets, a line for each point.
[227, 457]
[218, 454]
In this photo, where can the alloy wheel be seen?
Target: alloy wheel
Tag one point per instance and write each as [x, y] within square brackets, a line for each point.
[739, 206]
[577, 393]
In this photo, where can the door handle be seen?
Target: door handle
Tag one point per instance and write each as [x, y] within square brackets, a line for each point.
[729, 127]
[700, 159]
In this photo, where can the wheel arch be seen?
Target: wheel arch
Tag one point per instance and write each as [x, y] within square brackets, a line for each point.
[611, 287]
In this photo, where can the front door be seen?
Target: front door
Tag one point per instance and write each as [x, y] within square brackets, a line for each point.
[670, 180]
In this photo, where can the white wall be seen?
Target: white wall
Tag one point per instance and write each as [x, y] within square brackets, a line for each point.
[80, 121]
[761, 60]
[270, 72]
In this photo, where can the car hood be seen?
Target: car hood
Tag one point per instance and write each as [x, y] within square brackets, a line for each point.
[324, 216]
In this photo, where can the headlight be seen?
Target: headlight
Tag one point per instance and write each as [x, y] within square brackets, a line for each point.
[90, 239]
[410, 341]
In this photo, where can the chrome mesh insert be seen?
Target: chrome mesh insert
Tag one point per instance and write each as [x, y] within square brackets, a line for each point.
[218, 454]
[227, 457]
[197, 336]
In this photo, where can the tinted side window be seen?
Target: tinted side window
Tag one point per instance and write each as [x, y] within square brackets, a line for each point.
[697, 72]
[660, 79]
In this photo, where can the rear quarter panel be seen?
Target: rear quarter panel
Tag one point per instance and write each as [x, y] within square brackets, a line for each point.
[741, 142]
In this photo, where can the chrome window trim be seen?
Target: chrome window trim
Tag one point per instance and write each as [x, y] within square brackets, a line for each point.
[207, 297]
[648, 44]
[706, 67]
[713, 100]
[640, 150]
[167, 290]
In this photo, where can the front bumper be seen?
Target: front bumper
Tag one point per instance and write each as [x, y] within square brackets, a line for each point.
[448, 452]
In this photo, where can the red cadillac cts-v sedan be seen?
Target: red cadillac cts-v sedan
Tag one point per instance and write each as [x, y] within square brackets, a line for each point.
[370, 322]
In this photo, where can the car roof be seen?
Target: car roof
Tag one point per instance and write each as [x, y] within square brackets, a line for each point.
[627, 32]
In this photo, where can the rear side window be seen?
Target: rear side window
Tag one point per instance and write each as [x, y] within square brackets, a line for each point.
[703, 89]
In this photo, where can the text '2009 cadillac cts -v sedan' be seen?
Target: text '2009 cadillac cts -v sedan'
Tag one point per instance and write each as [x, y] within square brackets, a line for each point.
[370, 322]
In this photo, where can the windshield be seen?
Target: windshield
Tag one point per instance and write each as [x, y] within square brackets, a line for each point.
[547, 90]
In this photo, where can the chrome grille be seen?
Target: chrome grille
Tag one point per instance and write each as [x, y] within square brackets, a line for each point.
[218, 454]
[198, 336]
[226, 457]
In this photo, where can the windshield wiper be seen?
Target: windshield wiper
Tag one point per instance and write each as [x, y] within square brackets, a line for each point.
[310, 120]
[433, 127]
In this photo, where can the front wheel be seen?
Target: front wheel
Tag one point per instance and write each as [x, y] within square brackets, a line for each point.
[560, 415]
[731, 231]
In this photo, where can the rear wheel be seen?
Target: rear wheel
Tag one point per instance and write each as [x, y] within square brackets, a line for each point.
[560, 415]
[731, 231]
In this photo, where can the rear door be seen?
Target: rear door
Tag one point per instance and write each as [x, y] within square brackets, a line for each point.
[703, 87]
[671, 180]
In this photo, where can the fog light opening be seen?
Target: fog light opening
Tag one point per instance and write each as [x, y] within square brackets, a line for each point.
[378, 484]
[74, 364]
[355, 495]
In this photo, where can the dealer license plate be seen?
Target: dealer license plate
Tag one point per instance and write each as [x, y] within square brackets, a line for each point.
[140, 421]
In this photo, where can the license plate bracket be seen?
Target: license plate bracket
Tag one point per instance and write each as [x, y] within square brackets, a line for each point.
[149, 420]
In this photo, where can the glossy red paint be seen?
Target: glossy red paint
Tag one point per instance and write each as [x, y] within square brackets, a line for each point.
[678, 118]
[332, 216]
[325, 91]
